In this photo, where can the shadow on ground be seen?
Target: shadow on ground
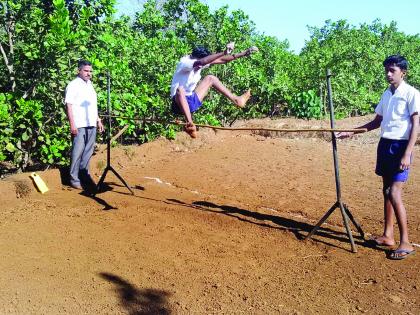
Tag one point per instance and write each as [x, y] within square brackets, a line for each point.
[138, 301]
[298, 228]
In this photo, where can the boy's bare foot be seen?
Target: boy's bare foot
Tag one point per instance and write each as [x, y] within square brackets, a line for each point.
[240, 101]
[251, 50]
[382, 241]
[406, 246]
[191, 129]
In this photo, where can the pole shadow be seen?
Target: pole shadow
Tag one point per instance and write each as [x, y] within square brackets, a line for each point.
[87, 192]
[299, 229]
[101, 201]
[104, 188]
[139, 301]
[109, 186]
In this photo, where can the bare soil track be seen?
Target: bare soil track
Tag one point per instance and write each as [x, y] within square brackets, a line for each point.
[215, 227]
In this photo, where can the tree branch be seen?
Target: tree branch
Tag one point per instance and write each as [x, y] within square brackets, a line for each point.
[6, 60]
[10, 30]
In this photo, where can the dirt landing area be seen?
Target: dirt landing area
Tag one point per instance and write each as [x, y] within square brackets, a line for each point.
[215, 226]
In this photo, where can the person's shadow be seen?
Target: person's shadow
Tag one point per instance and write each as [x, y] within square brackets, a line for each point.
[139, 301]
[65, 180]
[64, 175]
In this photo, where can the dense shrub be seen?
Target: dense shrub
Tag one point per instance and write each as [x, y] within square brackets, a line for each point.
[41, 41]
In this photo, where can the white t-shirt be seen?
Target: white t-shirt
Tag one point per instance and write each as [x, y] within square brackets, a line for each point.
[186, 76]
[82, 96]
[396, 110]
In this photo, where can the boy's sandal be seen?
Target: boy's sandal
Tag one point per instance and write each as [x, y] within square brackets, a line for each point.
[400, 254]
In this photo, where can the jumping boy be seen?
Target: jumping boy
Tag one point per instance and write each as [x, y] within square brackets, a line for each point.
[397, 115]
[187, 97]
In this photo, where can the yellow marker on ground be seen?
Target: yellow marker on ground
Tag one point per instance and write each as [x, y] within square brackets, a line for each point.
[39, 183]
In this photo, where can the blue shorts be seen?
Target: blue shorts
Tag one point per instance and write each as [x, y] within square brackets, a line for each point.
[193, 101]
[388, 160]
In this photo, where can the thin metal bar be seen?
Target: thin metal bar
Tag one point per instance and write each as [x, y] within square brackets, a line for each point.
[353, 220]
[108, 109]
[323, 219]
[109, 140]
[336, 167]
[101, 180]
[334, 140]
[347, 226]
[121, 179]
[345, 212]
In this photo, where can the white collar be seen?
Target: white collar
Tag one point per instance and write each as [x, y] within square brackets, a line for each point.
[401, 89]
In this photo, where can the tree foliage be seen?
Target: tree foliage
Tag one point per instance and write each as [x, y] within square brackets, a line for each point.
[355, 55]
[41, 41]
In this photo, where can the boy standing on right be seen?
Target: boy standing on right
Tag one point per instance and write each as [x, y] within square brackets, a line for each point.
[397, 115]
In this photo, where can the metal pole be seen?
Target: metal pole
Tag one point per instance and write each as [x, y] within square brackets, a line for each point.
[336, 168]
[109, 140]
[334, 140]
[345, 212]
[108, 109]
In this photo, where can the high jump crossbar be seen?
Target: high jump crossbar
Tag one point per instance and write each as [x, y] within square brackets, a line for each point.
[180, 123]
[339, 204]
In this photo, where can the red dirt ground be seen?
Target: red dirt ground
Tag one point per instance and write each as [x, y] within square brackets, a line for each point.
[214, 227]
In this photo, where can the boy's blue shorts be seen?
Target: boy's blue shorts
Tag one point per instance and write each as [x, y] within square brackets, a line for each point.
[194, 103]
[388, 159]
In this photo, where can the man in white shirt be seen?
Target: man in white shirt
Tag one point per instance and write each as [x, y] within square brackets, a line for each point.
[187, 95]
[398, 116]
[82, 113]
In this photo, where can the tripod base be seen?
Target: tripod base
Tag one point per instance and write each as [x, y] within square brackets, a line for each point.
[346, 214]
[101, 180]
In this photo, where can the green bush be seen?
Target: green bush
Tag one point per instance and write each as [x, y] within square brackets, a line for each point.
[306, 105]
[48, 37]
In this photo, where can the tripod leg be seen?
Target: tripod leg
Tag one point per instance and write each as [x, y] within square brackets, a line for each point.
[353, 220]
[325, 217]
[121, 179]
[346, 224]
[101, 180]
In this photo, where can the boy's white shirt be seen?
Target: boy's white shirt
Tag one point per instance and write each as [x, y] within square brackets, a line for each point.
[396, 111]
[186, 76]
[82, 96]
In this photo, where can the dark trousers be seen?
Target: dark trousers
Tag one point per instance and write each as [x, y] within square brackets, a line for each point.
[82, 150]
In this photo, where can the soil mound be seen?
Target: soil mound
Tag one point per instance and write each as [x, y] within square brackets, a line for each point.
[215, 226]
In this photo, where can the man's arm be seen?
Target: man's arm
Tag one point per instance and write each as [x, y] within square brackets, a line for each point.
[100, 125]
[406, 159]
[69, 110]
[373, 124]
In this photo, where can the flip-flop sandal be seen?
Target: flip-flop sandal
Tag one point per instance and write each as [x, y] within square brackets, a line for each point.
[401, 251]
